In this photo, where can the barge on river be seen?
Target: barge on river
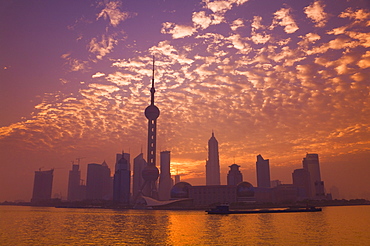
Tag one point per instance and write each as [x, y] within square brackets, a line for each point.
[224, 209]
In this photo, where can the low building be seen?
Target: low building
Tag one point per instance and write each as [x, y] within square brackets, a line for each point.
[203, 196]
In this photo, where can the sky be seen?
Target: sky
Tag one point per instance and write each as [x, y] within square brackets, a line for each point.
[280, 78]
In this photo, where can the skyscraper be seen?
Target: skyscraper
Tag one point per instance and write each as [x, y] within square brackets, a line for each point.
[122, 179]
[311, 164]
[99, 182]
[165, 181]
[75, 190]
[213, 163]
[263, 172]
[234, 176]
[150, 173]
[301, 179]
[42, 186]
[138, 181]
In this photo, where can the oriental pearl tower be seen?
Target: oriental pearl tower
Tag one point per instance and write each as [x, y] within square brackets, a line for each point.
[150, 173]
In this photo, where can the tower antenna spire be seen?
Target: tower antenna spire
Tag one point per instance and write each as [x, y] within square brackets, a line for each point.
[152, 90]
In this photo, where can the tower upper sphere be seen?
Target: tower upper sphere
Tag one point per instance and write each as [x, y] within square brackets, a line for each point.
[152, 112]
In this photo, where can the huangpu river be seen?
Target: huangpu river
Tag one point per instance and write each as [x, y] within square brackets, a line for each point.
[347, 225]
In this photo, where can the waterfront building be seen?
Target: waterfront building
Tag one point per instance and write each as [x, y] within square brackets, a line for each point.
[234, 176]
[210, 195]
[213, 163]
[311, 164]
[122, 179]
[99, 182]
[75, 188]
[165, 181]
[42, 186]
[285, 193]
[263, 172]
[301, 179]
[138, 181]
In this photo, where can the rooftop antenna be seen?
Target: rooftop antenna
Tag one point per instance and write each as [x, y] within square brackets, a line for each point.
[152, 90]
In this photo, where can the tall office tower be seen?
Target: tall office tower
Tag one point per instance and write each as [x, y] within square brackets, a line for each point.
[213, 163]
[42, 186]
[74, 188]
[263, 172]
[122, 179]
[138, 181]
[126, 156]
[150, 173]
[99, 182]
[311, 164]
[301, 179]
[234, 176]
[165, 181]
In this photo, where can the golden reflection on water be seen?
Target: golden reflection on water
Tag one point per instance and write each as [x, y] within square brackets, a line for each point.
[58, 226]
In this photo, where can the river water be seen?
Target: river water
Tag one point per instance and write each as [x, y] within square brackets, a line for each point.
[349, 225]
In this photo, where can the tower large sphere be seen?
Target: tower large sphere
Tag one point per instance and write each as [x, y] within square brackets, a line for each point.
[150, 173]
[152, 112]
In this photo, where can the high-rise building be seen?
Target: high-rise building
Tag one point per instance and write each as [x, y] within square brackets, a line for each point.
[165, 181]
[234, 176]
[42, 186]
[311, 164]
[177, 178]
[150, 173]
[138, 181]
[213, 163]
[99, 182]
[75, 189]
[122, 179]
[263, 172]
[301, 179]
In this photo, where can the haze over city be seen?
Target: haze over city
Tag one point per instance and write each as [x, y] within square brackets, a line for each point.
[276, 78]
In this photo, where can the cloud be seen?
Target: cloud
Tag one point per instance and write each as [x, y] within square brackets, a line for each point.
[283, 18]
[75, 64]
[103, 47]
[219, 6]
[177, 31]
[256, 24]
[112, 12]
[316, 13]
[364, 62]
[98, 75]
[201, 20]
[360, 14]
[238, 23]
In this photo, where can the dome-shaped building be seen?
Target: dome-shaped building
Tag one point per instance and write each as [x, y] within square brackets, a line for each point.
[180, 190]
[245, 191]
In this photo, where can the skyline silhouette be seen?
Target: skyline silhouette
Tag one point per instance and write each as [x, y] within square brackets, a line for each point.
[276, 78]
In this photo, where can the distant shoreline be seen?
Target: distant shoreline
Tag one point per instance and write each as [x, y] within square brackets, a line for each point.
[110, 205]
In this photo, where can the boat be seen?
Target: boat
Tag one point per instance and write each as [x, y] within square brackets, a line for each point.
[224, 209]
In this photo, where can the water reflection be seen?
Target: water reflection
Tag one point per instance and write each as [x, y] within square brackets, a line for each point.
[51, 226]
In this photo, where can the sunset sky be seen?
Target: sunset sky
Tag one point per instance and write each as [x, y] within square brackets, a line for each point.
[270, 77]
